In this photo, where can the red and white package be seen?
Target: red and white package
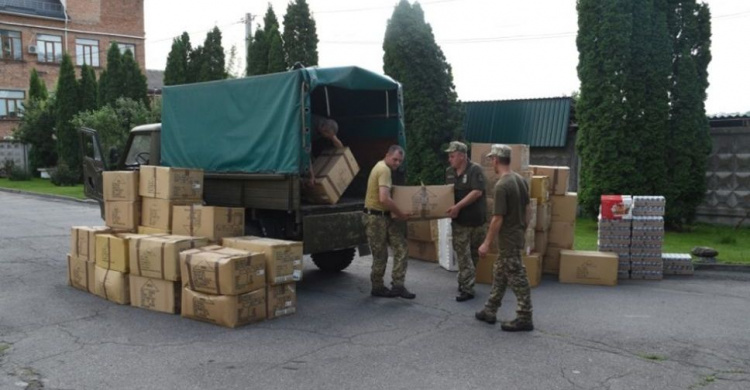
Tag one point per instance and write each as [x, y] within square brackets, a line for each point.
[617, 207]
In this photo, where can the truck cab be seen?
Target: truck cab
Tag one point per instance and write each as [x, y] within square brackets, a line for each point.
[253, 139]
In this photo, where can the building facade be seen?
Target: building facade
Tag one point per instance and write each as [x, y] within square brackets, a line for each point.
[36, 33]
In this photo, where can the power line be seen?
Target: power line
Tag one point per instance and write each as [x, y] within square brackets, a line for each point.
[337, 11]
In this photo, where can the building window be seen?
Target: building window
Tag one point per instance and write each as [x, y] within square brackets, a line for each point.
[10, 45]
[125, 47]
[11, 103]
[87, 52]
[49, 48]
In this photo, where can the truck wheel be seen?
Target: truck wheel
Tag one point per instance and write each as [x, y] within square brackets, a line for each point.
[333, 261]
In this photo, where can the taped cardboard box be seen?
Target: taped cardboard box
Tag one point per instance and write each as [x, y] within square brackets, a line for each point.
[122, 216]
[424, 202]
[83, 241]
[157, 213]
[551, 260]
[171, 183]
[519, 160]
[120, 186]
[588, 267]
[558, 177]
[540, 188]
[152, 231]
[283, 258]
[158, 257]
[112, 251]
[527, 175]
[540, 242]
[155, 294]
[212, 222]
[423, 250]
[334, 170]
[225, 310]
[81, 273]
[281, 300]
[422, 230]
[222, 271]
[532, 262]
[543, 216]
[112, 285]
[561, 234]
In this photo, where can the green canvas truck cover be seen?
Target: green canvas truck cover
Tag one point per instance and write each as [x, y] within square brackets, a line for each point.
[258, 124]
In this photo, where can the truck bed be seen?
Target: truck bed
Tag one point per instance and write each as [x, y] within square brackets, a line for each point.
[344, 204]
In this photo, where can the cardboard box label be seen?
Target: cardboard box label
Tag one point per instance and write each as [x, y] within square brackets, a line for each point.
[281, 300]
[424, 202]
[226, 310]
[120, 186]
[157, 213]
[283, 258]
[155, 294]
[122, 215]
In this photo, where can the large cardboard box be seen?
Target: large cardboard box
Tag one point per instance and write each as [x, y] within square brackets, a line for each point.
[519, 159]
[424, 202]
[158, 257]
[564, 207]
[281, 300]
[81, 273]
[283, 258]
[171, 183]
[484, 270]
[157, 213]
[561, 234]
[543, 216]
[112, 285]
[155, 294]
[551, 260]
[223, 271]
[334, 170]
[540, 242]
[423, 250]
[152, 231]
[422, 230]
[558, 177]
[532, 262]
[225, 310]
[588, 267]
[83, 241]
[208, 221]
[122, 216]
[540, 188]
[120, 186]
[112, 251]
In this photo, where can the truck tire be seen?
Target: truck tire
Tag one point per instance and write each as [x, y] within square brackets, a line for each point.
[333, 261]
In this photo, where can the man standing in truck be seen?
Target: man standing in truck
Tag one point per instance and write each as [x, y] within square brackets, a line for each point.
[468, 215]
[323, 128]
[383, 231]
[509, 220]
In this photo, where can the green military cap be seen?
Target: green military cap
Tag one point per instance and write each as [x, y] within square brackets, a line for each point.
[456, 146]
[499, 150]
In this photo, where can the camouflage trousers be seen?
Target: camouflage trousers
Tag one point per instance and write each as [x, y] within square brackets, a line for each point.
[466, 242]
[509, 270]
[382, 232]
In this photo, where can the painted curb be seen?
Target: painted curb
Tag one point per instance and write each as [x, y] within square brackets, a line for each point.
[49, 196]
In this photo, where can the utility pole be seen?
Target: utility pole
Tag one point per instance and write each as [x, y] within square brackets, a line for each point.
[249, 27]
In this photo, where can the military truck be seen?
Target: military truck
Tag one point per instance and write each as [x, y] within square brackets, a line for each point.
[253, 139]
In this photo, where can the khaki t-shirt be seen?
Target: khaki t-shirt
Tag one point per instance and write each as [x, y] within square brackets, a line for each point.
[380, 176]
[511, 199]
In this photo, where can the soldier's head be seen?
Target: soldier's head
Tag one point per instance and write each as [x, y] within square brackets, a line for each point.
[395, 157]
[500, 155]
[328, 127]
[457, 154]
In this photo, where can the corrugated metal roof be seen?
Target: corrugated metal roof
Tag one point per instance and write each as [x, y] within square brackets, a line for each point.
[536, 122]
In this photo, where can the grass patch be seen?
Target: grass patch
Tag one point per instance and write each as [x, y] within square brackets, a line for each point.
[43, 186]
[652, 356]
[733, 245]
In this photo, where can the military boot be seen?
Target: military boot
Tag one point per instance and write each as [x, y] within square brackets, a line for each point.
[483, 315]
[382, 292]
[522, 323]
[401, 291]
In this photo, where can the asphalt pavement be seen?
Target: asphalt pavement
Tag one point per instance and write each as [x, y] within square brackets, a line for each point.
[679, 333]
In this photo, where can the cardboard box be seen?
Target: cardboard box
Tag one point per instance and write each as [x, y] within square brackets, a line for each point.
[152, 231]
[334, 170]
[283, 258]
[155, 294]
[171, 183]
[81, 273]
[83, 241]
[543, 216]
[551, 260]
[532, 262]
[617, 207]
[558, 177]
[424, 202]
[588, 267]
[112, 285]
[564, 207]
[157, 213]
[422, 230]
[423, 250]
[120, 186]
[540, 242]
[532, 215]
[222, 271]
[540, 188]
[281, 300]
[529, 241]
[527, 175]
[208, 221]
[112, 251]
[561, 234]
[519, 160]
[158, 257]
[122, 216]
[225, 310]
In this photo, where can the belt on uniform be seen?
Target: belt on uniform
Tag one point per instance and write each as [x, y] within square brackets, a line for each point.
[377, 212]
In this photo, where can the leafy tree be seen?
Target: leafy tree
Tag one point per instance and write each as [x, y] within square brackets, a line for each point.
[212, 61]
[37, 88]
[231, 69]
[176, 71]
[114, 83]
[37, 129]
[257, 54]
[89, 89]
[67, 105]
[265, 53]
[276, 62]
[195, 64]
[432, 114]
[134, 84]
[300, 34]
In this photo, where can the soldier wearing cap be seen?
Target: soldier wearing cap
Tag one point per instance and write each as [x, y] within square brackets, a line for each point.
[509, 220]
[383, 231]
[468, 215]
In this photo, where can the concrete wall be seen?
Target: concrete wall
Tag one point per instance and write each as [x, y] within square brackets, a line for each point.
[16, 151]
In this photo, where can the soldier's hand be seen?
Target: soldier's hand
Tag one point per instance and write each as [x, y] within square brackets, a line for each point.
[484, 249]
[453, 212]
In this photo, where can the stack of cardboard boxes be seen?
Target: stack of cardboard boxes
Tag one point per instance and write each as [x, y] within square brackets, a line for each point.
[556, 216]
[647, 238]
[82, 256]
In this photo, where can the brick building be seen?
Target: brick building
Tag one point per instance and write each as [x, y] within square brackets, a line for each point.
[35, 33]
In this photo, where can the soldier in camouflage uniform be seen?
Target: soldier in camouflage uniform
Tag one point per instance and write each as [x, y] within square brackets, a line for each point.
[468, 215]
[508, 225]
[383, 231]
